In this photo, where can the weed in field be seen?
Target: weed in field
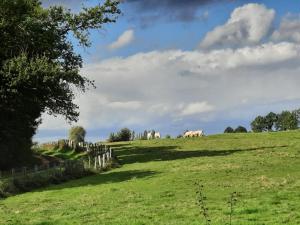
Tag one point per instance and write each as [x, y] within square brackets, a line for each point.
[201, 202]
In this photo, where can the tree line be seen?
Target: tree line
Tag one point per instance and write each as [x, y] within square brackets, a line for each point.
[286, 120]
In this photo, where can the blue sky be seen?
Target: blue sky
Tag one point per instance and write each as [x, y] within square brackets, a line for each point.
[170, 66]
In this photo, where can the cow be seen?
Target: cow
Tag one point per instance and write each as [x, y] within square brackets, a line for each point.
[157, 135]
[197, 133]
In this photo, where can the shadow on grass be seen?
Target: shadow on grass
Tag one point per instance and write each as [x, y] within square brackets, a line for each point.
[131, 154]
[103, 178]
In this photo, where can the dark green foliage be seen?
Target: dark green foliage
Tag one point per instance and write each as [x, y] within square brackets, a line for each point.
[39, 69]
[240, 129]
[112, 137]
[144, 137]
[168, 136]
[270, 121]
[77, 134]
[124, 134]
[19, 184]
[259, 124]
[287, 121]
[229, 130]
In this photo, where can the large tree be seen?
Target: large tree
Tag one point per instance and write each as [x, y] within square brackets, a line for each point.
[287, 121]
[259, 124]
[39, 69]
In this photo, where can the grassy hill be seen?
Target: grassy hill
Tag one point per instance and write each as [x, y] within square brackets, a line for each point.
[156, 185]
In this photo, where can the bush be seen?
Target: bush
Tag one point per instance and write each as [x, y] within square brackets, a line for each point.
[123, 135]
[240, 129]
[168, 136]
[229, 130]
[19, 184]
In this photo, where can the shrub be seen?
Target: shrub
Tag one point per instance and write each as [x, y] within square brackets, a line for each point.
[112, 137]
[168, 136]
[123, 135]
[19, 184]
[229, 130]
[240, 129]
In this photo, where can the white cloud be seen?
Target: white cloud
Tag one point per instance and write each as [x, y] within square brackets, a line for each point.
[176, 90]
[196, 108]
[289, 29]
[164, 89]
[125, 39]
[129, 105]
[247, 25]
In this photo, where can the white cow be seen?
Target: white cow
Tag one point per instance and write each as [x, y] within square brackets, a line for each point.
[149, 135]
[187, 134]
[157, 135]
[197, 133]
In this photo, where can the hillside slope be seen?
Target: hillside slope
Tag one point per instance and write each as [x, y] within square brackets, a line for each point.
[156, 185]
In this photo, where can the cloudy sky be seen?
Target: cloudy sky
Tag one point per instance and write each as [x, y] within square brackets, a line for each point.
[172, 65]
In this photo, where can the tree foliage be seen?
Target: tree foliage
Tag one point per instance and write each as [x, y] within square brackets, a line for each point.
[77, 134]
[124, 134]
[259, 124]
[287, 121]
[39, 69]
[229, 130]
[240, 129]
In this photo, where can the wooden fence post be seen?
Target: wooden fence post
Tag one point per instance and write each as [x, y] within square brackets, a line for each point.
[99, 159]
[104, 163]
[110, 153]
[95, 158]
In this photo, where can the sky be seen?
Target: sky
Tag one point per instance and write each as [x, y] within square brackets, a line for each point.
[173, 65]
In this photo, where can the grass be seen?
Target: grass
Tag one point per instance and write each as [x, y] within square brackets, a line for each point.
[64, 154]
[156, 185]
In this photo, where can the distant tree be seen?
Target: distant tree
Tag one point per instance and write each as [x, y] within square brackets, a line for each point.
[240, 129]
[152, 134]
[179, 136]
[259, 124]
[297, 113]
[229, 130]
[144, 137]
[112, 137]
[77, 134]
[124, 134]
[270, 120]
[168, 136]
[133, 137]
[287, 121]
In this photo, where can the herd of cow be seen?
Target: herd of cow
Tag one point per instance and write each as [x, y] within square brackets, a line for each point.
[197, 133]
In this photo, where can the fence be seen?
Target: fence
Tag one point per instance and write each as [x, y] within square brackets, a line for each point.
[98, 157]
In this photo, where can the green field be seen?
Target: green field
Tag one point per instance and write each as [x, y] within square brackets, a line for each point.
[156, 185]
